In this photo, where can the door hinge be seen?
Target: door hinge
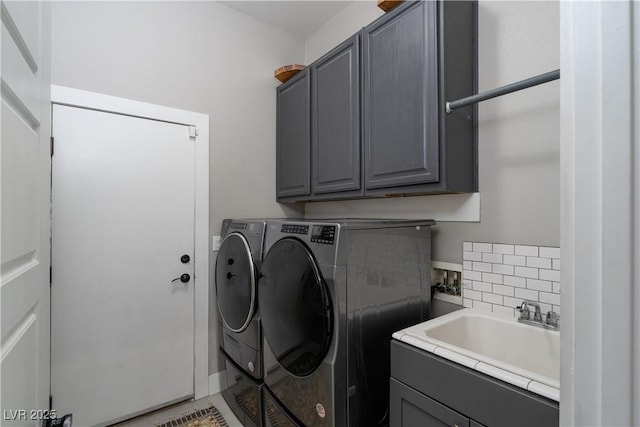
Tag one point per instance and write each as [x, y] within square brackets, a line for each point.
[193, 132]
[51, 147]
[50, 402]
[50, 275]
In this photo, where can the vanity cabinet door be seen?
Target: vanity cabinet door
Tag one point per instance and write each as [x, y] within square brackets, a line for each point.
[409, 408]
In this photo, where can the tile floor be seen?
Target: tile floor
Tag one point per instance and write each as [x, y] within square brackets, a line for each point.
[163, 415]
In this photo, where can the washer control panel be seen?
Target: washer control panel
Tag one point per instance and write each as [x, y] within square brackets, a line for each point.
[238, 226]
[294, 229]
[323, 234]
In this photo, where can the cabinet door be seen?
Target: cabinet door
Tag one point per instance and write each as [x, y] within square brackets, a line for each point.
[293, 137]
[335, 109]
[410, 408]
[401, 97]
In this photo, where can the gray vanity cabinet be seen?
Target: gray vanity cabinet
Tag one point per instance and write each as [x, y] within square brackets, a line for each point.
[293, 133]
[410, 408]
[414, 59]
[428, 390]
[335, 121]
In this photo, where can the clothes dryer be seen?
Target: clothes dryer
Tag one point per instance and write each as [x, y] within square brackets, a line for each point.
[331, 294]
[236, 273]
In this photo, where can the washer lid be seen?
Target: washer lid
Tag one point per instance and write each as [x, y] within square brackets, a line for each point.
[295, 307]
[235, 282]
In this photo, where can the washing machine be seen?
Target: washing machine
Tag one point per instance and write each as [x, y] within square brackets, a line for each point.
[236, 274]
[331, 293]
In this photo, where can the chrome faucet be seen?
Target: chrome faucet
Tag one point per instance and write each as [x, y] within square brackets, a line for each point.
[525, 313]
[552, 319]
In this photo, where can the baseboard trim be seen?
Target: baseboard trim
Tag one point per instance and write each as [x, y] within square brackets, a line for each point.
[217, 382]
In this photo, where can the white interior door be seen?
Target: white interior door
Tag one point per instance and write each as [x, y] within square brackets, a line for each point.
[123, 216]
[24, 271]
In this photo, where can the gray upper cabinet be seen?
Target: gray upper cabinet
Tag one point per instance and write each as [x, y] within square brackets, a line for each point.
[414, 59]
[293, 134]
[368, 118]
[401, 112]
[335, 121]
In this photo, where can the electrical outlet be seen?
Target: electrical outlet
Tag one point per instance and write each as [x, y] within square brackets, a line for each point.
[215, 243]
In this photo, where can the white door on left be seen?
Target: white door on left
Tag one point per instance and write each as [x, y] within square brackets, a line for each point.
[25, 231]
[122, 295]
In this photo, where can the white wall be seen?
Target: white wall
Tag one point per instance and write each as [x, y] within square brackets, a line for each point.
[346, 23]
[518, 133]
[206, 57]
[197, 56]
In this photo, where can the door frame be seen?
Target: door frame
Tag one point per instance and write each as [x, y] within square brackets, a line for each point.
[83, 99]
[600, 213]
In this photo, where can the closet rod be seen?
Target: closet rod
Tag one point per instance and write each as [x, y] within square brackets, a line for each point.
[513, 87]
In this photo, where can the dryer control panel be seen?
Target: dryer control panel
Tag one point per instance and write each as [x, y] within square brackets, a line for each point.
[323, 234]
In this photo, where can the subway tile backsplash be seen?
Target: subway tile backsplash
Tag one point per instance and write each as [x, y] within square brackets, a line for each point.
[498, 276]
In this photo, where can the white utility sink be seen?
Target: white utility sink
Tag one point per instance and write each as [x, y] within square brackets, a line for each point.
[499, 346]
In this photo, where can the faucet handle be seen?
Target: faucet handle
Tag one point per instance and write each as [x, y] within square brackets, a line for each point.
[552, 319]
[524, 310]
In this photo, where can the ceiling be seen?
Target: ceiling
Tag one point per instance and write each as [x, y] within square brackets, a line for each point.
[299, 17]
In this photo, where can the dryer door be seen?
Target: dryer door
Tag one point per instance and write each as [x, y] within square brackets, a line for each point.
[235, 282]
[295, 307]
